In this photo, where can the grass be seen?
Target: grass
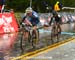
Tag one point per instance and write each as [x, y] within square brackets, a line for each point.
[18, 17]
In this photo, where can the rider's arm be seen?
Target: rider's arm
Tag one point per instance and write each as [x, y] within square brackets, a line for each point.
[50, 21]
[26, 21]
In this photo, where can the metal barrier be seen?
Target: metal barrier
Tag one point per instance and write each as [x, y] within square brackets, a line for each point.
[45, 17]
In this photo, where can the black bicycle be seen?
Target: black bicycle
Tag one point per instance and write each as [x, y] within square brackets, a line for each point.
[56, 31]
[33, 37]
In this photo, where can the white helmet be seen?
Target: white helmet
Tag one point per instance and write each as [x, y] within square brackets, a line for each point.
[28, 10]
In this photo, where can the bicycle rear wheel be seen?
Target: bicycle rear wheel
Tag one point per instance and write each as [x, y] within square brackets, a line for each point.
[59, 33]
[35, 38]
[21, 40]
[53, 32]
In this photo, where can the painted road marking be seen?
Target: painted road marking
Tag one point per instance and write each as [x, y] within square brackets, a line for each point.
[43, 50]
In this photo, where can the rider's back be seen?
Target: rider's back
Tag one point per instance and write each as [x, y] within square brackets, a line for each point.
[34, 19]
[57, 18]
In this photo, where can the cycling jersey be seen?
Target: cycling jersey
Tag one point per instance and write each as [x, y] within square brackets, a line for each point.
[34, 19]
[56, 19]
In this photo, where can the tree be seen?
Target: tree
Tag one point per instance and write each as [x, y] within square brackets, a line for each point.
[38, 5]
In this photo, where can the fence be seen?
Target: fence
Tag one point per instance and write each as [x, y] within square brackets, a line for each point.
[46, 17]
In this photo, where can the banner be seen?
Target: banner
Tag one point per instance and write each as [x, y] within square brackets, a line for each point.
[8, 23]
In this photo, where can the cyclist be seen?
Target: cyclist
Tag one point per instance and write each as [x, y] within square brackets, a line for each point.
[31, 18]
[56, 19]
[56, 29]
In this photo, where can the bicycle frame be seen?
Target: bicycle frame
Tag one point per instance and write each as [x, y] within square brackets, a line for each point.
[30, 37]
[55, 32]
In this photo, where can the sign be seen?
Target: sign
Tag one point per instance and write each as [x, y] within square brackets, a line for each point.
[8, 23]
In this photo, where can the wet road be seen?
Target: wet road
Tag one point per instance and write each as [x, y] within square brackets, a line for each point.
[64, 51]
[10, 43]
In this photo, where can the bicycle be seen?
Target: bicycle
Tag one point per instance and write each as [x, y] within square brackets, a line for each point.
[56, 31]
[33, 37]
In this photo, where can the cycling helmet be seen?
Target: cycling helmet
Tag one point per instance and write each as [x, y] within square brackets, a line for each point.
[28, 10]
[57, 2]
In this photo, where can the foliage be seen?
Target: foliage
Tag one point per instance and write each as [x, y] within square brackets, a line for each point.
[38, 5]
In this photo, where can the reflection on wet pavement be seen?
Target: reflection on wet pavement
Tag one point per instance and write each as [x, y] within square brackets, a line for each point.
[27, 47]
[6, 45]
[10, 44]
